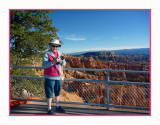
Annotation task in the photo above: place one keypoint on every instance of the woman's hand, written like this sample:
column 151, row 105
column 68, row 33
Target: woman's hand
column 56, row 60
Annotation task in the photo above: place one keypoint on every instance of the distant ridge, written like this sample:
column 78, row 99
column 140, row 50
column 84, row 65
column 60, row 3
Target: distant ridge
column 139, row 51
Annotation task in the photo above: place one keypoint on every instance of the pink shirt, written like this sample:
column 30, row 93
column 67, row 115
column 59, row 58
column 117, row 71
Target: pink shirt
column 52, row 71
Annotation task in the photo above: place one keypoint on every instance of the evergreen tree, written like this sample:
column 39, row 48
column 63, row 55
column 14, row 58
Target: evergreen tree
column 30, row 32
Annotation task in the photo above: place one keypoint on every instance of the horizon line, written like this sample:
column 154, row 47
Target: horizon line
column 106, row 49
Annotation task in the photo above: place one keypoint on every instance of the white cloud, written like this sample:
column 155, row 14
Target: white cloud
column 74, row 38
column 116, row 37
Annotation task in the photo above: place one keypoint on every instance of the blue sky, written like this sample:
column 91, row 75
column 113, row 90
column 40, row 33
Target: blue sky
column 86, row 30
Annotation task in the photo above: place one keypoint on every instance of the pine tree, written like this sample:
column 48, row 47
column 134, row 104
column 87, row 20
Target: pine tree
column 30, row 32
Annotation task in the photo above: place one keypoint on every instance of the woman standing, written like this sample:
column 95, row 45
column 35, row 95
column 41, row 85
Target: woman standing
column 53, row 63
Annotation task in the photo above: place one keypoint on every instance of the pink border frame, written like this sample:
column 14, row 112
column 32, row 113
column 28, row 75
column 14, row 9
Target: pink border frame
column 80, row 115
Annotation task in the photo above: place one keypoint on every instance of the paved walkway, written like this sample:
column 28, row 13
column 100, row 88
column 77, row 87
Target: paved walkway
column 39, row 108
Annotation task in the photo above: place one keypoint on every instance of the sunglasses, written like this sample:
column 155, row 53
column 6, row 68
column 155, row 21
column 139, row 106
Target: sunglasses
column 54, row 46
